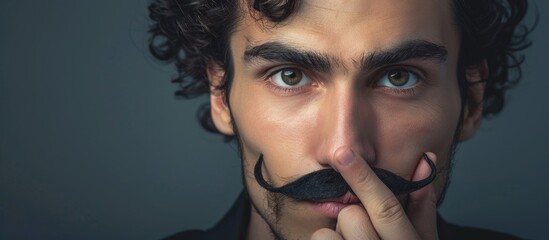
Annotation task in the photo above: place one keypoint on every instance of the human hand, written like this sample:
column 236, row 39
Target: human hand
column 381, row 215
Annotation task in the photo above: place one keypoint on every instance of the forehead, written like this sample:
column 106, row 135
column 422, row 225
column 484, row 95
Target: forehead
column 349, row 28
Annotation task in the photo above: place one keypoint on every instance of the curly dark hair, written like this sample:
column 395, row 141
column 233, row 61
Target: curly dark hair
column 192, row 33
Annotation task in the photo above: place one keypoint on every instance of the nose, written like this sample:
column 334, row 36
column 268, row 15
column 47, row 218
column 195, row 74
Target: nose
column 345, row 118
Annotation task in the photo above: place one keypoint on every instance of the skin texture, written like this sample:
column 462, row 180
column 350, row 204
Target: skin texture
column 346, row 117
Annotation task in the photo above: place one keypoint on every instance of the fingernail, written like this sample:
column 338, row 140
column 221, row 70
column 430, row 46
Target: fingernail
column 346, row 158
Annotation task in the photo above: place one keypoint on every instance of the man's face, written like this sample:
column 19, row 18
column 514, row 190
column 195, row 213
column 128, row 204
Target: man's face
column 369, row 75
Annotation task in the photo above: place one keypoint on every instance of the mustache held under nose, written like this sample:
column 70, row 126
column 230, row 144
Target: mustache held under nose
column 328, row 183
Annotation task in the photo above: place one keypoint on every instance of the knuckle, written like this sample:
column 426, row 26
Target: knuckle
column 364, row 178
column 389, row 211
column 355, row 221
column 318, row 235
column 351, row 212
column 323, row 233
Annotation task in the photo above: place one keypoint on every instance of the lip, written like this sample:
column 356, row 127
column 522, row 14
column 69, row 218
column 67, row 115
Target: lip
column 331, row 207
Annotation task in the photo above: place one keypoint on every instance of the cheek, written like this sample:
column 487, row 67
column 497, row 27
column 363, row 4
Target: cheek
column 271, row 125
column 425, row 126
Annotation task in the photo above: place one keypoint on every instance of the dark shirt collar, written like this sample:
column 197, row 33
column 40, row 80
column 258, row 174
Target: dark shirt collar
column 234, row 224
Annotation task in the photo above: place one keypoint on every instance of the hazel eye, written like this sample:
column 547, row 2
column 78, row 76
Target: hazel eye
column 290, row 78
column 398, row 79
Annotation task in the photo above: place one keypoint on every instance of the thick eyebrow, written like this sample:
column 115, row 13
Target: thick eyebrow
column 279, row 52
column 413, row 49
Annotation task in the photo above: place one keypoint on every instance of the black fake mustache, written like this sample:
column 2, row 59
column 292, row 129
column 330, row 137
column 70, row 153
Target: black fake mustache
column 328, row 183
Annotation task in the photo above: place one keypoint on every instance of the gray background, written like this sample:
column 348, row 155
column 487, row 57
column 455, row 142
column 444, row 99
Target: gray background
column 93, row 144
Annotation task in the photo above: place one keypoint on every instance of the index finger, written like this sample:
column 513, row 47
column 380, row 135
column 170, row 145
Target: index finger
column 385, row 211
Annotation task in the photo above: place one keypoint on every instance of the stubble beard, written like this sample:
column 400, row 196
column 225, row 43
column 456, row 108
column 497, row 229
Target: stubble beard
column 275, row 201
